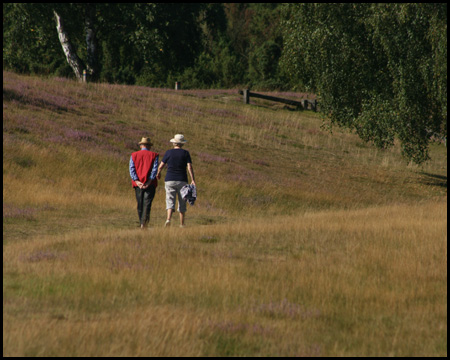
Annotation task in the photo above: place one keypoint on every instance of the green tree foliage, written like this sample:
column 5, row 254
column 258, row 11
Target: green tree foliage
column 30, row 42
column 380, row 69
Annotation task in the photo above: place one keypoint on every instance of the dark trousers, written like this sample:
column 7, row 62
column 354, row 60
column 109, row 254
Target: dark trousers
column 144, row 198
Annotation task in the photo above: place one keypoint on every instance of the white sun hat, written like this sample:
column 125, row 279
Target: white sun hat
column 178, row 139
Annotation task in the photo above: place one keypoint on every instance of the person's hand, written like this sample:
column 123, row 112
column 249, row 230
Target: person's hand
column 139, row 184
column 147, row 184
column 158, row 176
column 193, row 183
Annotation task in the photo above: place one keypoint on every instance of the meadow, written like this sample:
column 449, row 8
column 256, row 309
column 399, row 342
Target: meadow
column 302, row 242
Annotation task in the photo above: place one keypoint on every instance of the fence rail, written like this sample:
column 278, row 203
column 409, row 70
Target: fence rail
column 302, row 105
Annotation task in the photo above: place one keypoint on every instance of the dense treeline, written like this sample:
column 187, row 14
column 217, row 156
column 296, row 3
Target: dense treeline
column 202, row 45
column 379, row 69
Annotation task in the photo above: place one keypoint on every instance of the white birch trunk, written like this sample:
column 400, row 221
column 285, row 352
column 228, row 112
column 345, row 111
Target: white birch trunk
column 72, row 58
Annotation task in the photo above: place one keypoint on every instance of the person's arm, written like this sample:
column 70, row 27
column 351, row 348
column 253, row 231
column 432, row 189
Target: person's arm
column 154, row 169
column 153, row 172
column 133, row 174
column 161, row 166
column 191, row 173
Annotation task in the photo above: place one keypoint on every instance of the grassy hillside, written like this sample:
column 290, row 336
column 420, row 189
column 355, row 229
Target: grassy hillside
column 301, row 243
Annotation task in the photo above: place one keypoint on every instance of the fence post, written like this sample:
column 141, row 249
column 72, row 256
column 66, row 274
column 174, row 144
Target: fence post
column 246, row 96
column 305, row 104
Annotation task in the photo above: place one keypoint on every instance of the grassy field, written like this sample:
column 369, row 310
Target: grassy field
column 301, row 243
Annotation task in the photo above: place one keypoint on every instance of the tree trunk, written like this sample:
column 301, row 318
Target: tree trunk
column 91, row 41
column 72, row 58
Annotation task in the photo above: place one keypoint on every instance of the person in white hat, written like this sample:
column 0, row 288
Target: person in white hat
column 143, row 169
column 177, row 160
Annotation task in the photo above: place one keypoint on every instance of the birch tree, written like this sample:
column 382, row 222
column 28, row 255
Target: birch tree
column 380, row 69
column 72, row 58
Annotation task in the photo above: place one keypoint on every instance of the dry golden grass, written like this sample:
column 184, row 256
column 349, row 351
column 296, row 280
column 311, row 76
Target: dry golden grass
column 346, row 283
column 301, row 243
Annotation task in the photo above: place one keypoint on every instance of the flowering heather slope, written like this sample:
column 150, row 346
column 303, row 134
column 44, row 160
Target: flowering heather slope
column 253, row 160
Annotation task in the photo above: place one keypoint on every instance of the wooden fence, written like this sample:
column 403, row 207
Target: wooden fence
column 302, row 105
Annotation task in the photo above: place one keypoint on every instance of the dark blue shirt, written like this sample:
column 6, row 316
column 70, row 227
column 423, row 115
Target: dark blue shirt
column 176, row 160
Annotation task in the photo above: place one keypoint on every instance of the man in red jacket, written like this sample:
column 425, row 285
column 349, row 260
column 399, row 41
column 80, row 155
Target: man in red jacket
column 143, row 169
